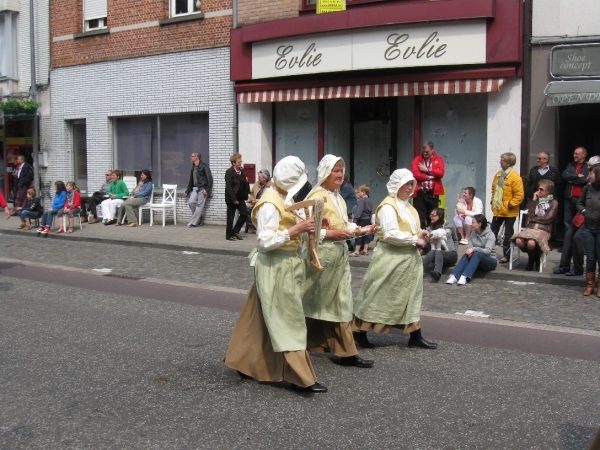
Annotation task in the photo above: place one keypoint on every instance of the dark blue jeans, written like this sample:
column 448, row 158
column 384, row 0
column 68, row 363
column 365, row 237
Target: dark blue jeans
column 26, row 214
column 591, row 244
column 467, row 267
column 48, row 216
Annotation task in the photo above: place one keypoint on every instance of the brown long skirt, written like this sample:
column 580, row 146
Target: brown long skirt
column 251, row 352
column 333, row 337
column 361, row 325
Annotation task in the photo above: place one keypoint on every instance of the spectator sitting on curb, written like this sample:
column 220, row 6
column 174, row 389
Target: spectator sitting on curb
column 72, row 206
column 117, row 191
column 468, row 205
column 32, row 210
column 139, row 197
column 60, row 195
column 97, row 197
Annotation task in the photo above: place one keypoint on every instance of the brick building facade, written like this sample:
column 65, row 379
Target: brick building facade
column 141, row 87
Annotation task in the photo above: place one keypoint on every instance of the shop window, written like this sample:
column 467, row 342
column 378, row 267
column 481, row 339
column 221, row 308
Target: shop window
column 161, row 144
column 457, row 125
column 94, row 13
column 296, row 125
column 183, row 7
column 8, row 45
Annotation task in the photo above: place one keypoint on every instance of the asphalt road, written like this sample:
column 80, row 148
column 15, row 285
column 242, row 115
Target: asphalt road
column 92, row 361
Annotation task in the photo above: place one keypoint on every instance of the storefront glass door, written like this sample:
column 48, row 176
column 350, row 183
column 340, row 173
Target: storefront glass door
column 374, row 130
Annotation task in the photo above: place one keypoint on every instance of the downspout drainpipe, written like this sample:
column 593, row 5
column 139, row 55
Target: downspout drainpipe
column 33, row 90
column 235, row 133
column 526, row 93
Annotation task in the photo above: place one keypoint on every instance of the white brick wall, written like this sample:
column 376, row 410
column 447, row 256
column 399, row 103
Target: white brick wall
column 195, row 81
column 42, row 44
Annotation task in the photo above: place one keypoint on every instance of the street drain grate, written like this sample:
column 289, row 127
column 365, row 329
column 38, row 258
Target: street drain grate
column 120, row 275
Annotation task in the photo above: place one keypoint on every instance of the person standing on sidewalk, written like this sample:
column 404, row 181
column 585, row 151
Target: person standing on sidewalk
column 575, row 178
column 198, row 188
column 428, row 169
column 24, row 180
column 236, row 194
column 589, row 205
column 507, row 195
column 263, row 182
column 573, row 243
column 543, row 171
column 392, row 290
column 328, row 296
column 269, row 339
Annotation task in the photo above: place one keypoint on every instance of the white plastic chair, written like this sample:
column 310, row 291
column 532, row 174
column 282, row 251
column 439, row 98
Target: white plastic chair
column 169, row 201
column 515, row 249
column 130, row 182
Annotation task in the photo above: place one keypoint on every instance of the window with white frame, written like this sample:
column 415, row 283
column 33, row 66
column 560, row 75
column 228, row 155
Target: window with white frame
column 8, row 45
column 183, row 7
column 162, row 144
column 94, row 14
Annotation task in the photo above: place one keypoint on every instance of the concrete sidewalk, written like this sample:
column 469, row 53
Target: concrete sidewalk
column 211, row 239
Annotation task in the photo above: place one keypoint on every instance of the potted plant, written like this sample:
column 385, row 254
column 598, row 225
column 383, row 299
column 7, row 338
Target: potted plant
column 13, row 107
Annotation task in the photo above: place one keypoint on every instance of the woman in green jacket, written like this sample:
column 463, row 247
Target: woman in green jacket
column 117, row 192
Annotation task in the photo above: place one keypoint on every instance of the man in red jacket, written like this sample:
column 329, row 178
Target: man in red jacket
column 428, row 169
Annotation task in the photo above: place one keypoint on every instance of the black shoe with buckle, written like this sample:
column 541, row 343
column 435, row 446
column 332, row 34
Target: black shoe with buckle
column 315, row 388
column 356, row 361
column 238, row 237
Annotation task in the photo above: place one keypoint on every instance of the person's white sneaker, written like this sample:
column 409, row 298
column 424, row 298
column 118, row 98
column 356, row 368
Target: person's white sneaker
column 464, row 242
column 463, row 280
column 451, row 279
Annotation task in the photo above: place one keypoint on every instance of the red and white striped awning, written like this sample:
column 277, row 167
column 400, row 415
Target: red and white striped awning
column 475, row 86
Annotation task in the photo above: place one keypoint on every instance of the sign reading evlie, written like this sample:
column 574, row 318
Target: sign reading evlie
column 374, row 48
column 575, row 61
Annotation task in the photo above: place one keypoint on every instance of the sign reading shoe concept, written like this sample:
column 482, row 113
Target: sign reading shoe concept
column 373, row 48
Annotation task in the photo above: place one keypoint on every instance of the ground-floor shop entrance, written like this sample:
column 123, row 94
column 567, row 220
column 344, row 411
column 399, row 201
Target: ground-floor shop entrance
column 375, row 136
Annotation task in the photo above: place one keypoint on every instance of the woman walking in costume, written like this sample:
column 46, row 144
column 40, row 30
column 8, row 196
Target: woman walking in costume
column 392, row 290
column 328, row 297
column 269, row 339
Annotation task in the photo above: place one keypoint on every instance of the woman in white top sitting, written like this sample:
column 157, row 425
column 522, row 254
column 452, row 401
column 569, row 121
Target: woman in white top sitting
column 468, row 205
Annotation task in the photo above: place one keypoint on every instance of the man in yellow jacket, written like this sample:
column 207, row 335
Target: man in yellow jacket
column 507, row 195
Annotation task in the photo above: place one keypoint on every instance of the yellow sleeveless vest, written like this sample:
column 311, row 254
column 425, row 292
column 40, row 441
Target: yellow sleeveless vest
column 330, row 211
column 286, row 219
column 390, row 200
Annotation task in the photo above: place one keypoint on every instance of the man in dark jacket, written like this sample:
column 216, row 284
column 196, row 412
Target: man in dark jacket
column 575, row 178
column 236, row 194
column 24, row 180
column 198, row 189
column 543, row 171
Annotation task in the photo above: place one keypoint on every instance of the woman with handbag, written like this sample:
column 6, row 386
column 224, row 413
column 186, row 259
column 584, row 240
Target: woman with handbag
column 589, row 205
column 540, row 215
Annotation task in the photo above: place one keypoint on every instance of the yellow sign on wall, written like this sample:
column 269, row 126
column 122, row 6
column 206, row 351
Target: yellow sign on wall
column 328, row 6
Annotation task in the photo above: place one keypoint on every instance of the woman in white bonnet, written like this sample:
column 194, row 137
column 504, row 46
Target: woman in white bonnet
column 328, row 297
column 269, row 339
column 392, row 289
